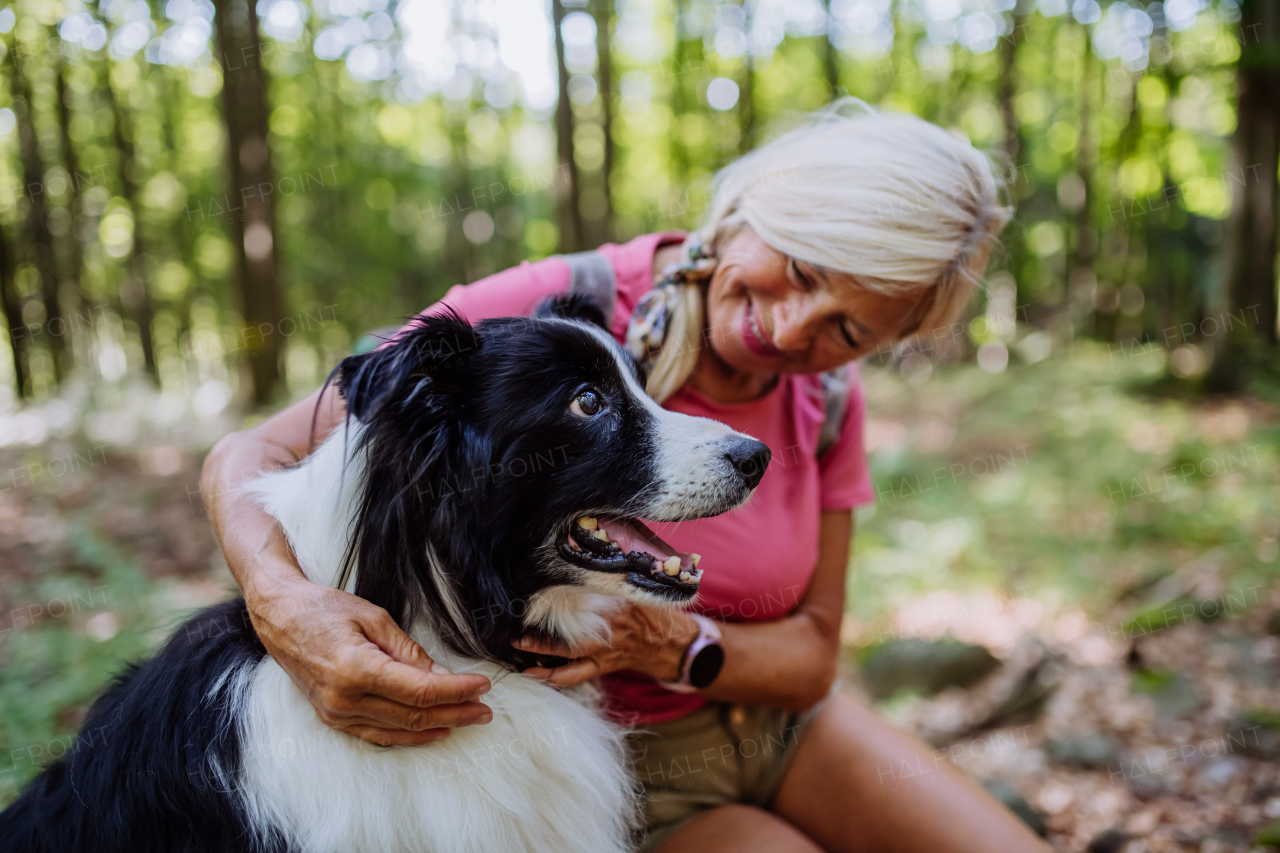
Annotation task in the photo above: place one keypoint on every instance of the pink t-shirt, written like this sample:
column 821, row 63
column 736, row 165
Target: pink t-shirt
column 758, row 559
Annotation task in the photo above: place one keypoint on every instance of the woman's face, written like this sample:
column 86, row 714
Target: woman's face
column 769, row 314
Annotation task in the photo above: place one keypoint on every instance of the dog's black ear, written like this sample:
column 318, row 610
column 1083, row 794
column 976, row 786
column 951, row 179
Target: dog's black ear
column 428, row 348
column 572, row 307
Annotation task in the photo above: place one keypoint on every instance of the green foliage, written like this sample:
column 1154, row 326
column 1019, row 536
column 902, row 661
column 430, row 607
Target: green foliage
column 1055, row 482
column 1120, row 171
column 1151, row 681
column 54, row 666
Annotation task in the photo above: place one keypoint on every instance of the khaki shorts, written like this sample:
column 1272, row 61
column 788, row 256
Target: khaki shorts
column 719, row 755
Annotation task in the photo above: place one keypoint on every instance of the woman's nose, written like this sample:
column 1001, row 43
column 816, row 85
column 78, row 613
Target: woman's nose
column 794, row 322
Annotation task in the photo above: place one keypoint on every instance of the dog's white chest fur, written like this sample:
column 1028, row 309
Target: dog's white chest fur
column 547, row 774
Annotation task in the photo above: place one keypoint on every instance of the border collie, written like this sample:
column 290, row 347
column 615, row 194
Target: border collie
column 487, row 488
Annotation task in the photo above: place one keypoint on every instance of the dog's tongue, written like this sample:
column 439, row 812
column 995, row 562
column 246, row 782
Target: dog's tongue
column 630, row 535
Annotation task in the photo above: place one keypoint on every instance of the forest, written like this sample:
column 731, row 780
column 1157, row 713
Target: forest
column 205, row 205
column 223, row 193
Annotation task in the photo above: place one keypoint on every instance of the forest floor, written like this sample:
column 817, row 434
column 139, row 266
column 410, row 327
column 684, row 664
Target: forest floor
column 1113, row 550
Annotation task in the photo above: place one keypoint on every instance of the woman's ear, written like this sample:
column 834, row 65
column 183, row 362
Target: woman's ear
column 430, row 348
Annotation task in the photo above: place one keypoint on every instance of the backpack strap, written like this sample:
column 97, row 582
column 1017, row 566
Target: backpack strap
column 835, row 398
column 591, row 274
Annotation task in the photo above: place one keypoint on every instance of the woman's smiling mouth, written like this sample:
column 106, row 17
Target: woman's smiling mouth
column 754, row 334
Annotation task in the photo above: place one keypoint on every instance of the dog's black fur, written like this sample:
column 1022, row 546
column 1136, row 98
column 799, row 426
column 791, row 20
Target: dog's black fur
column 468, row 446
column 150, row 770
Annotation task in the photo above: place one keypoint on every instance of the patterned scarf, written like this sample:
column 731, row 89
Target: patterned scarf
column 648, row 324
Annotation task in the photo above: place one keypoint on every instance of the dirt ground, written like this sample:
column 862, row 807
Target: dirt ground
column 1114, row 737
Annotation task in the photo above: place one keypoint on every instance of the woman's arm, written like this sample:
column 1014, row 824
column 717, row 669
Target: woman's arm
column 784, row 663
column 361, row 672
column 791, row 663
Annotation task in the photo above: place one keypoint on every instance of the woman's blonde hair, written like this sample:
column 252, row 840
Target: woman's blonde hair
column 900, row 203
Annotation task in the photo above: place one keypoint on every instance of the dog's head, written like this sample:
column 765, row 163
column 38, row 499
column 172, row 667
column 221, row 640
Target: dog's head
column 508, row 461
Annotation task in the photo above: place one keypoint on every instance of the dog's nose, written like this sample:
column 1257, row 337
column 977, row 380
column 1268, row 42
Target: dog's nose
column 749, row 457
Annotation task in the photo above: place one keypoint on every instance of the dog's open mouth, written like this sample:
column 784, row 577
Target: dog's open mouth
column 625, row 545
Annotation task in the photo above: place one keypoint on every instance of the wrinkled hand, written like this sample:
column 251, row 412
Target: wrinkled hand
column 362, row 673
column 648, row 639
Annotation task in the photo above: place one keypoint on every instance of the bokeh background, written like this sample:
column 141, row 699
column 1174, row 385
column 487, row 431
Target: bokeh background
column 1068, row 583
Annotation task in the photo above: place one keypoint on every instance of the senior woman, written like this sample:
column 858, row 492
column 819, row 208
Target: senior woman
column 848, row 234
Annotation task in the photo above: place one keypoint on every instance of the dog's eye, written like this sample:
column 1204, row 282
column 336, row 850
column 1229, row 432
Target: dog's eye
column 587, row 404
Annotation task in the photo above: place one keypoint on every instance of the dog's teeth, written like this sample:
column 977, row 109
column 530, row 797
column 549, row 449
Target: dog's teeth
column 588, row 523
column 696, row 558
column 601, row 535
column 672, row 566
column 684, row 577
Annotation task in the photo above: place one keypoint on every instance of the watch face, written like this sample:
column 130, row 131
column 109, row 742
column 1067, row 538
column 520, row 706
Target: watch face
column 706, row 665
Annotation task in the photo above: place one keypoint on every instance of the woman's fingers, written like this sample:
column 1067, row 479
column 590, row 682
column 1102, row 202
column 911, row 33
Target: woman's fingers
column 573, row 673
column 423, row 688
column 363, row 674
column 394, row 737
column 541, row 647
column 383, row 632
column 385, row 714
column 410, row 676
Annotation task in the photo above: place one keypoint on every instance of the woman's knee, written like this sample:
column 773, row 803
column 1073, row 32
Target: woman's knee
column 738, row 829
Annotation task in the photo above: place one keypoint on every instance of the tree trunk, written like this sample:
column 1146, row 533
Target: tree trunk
column 1012, row 144
column 746, row 93
column 180, row 232
column 10, row 299
column 39, row 239
column 73, row 264
column 1252, row 277
column 571, row 224
column 1251, row 231
column 245, row 112
column 681, row 59
column 747, row 106
column 1131, row 263
column 604, row 66
column 831, row 58
column 135, row 296
column 570, row 216
column 331, row 207
column 1008, row 91
column 13, row 315
column 458, row 251
column 1085, row 240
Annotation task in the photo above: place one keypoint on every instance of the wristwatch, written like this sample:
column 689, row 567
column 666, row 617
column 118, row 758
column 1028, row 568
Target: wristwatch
column 702, row 660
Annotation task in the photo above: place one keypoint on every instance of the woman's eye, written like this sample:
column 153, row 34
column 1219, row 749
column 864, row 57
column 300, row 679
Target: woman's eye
column 849, row 339
column 800, row 276
column 587, row 404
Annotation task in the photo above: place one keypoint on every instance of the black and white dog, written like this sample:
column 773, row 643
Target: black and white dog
column 488, row 488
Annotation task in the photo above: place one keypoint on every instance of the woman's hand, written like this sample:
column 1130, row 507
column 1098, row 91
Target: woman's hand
column 788, row 662
column 642, row 638
column 362, row 673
